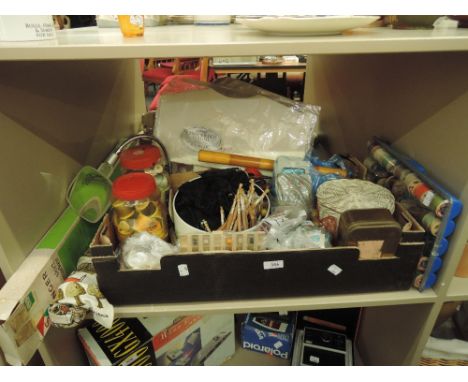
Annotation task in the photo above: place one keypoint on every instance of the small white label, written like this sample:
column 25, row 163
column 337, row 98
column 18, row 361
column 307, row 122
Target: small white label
column 314, row 359
column 427, row 198
column 276, row 264
column 136, row 20
column 335, row 269
column 278, row 344
column 183, row 270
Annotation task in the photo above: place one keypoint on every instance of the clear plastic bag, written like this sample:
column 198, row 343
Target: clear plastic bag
column 288, row 228
column 294, row 189
column 232, row 116
column 144, row 251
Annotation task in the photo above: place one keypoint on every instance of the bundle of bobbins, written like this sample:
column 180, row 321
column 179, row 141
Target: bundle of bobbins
column 246, row 211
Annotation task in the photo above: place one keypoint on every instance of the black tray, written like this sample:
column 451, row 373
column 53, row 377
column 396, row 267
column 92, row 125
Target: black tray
column 241, row 275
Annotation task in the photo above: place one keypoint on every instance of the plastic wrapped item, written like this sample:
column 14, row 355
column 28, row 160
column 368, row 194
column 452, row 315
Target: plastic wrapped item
column 232, row 116
column 307, row 235
column 287, row 228
column 77, row 296
column 292, row 182
column 294, row 189
column 144, row 251
column 320, row 177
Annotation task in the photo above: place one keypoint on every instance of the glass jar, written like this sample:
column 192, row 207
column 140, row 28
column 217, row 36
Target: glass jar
column 137, row 207
column 132, row 25
column 146, row 158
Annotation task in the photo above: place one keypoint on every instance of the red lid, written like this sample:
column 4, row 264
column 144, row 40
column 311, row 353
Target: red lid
column 133, row 186
column 140, row 157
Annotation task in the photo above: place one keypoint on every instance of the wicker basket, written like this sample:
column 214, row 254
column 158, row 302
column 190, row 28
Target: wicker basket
column 442, row 362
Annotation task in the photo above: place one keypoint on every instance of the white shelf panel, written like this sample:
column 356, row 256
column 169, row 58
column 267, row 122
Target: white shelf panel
column 411, row 296
column 458, row 289
column 226, row 40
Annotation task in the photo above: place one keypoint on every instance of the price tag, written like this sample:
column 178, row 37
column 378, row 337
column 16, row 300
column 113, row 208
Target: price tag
column 183, row 270
column 334, row 269
column 314, row 359
column 275, row 264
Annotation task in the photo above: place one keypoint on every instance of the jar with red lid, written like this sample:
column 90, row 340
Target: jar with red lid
column 146, row 158
column 137, row 206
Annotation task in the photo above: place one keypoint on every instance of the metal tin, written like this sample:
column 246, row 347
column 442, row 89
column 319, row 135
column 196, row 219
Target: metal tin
column 374, row 231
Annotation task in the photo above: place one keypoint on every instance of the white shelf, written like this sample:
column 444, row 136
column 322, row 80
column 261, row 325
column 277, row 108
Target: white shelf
column 411, row 296
column 226, row 40
column 458, row 289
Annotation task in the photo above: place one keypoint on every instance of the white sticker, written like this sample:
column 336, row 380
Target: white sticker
column 183, row 270
column 427, row 198
column 278, row 344
column 276, row 264
column 335, row 269
column 314, row 359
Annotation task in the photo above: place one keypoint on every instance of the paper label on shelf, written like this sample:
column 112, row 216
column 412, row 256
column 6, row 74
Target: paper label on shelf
column 183, row 270
column 314, row 359
column 275, row 264
column 334, row 269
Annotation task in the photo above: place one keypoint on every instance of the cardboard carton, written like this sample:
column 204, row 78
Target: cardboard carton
column 164, row 341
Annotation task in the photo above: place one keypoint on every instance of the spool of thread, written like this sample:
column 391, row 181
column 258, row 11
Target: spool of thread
column 411, row 181
column 425, row 217
column 400, row 171
column 420, row 191
column 431, row 223
column 439, row 205
column 384, row 159
column 399, row 189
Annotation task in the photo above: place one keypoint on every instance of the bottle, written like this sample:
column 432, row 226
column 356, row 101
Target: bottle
column 131, row 25
column 137, row 206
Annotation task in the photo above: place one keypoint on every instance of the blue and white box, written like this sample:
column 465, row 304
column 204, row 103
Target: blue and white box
column 269, row 333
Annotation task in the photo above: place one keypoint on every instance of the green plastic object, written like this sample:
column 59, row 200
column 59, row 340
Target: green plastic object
column 89, row 194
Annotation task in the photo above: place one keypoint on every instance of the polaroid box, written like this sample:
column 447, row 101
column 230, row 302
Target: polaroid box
column 163, row 341
column 269, row 333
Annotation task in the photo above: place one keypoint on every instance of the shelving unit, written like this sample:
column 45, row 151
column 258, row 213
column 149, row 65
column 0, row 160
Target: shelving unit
column 65, row 103
column 458, row 289
column 284, row 304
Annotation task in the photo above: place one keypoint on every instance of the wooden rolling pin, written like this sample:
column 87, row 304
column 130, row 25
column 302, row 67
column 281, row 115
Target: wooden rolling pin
column 260, row 163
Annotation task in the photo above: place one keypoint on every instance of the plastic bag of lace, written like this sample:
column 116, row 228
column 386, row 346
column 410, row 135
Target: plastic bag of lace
column 294, row 189
column 280, row 223
column 144, row 251
column 307, row 235
column 232, row 116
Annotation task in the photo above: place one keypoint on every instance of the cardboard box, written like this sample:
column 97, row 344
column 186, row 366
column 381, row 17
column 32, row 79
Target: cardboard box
column 269, row 333
column 163, row 341
column 25, row 297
